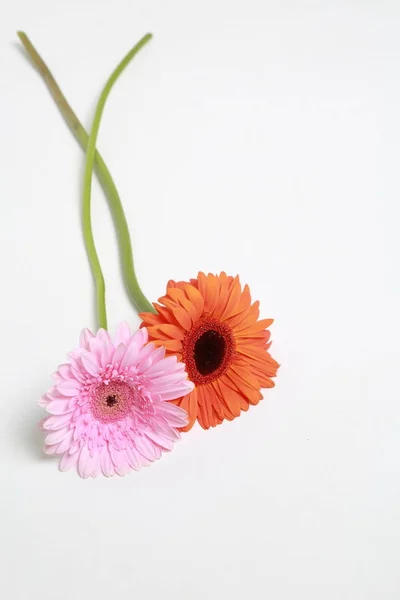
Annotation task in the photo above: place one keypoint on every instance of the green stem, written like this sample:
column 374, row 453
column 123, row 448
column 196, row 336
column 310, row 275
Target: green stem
column 106, row 181
column 87, row 181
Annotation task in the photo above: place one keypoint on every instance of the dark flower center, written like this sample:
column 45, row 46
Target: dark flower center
column 209, row 351
column 111, row 400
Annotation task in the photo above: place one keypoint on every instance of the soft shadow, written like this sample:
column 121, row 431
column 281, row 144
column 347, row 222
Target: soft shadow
column 28, row 433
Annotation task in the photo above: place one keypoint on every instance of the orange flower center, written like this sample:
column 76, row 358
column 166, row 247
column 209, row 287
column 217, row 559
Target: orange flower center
column 207, row 350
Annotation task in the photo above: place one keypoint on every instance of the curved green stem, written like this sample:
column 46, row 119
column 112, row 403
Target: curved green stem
column 87, row 181
column 104, row 176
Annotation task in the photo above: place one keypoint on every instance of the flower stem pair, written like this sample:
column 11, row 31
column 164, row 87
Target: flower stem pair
column 95, row 161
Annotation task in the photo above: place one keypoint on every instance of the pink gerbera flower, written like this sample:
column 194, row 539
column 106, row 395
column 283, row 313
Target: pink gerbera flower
column 109, row 409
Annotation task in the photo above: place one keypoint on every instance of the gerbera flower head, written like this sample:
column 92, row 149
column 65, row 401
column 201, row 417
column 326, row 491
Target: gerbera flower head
column 211, row 325
column 108, row 407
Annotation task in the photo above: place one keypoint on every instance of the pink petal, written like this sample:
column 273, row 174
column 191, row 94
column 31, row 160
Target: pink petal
column 160, row 440
column 59, row 407
column 138, row 340
column 119, row 353
column 44, row 400
column 96, row 346
column 91, row 465
column 76, row 353
column 124, row 467
column 68, row 460
column 69, row 388
column 83, row 462
column 104, row 336
column 50, row 449
column 147, row 448
column 167, row 380
column 84, row 338
column 90, row 364
column 54, row 394
column 123, row 334
column 174, row 393
column 163, row 428
column 130, row 354
column 55, row 437
column 144, row 354
column 120, row 461
column 145, row 462
column 96, row 465
column 106, row 463
column 56, row 377
column 165, row 365
column 155, row 357
column 141, row 336
column 78, row 374
column 66, row 444
column 176, row 416
column 106, row 354
column 77, row 365
column 133, row 458
column 75, row 447
column 65, row 371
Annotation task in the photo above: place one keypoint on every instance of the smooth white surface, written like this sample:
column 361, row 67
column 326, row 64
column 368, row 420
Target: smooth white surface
column 258, row 137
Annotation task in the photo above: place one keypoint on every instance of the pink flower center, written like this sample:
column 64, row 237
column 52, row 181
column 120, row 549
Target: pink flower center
column 115, row 401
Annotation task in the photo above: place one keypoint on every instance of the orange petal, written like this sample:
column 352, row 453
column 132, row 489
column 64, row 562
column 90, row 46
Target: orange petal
column 260, row 359
column 234, row 295
column 149, row 318
column 201, row 284
column 211, row 297
column 221, row 407
column 223, row 295
column 165, row 313
column 215, row 418
column 172, row 345
column 252, row 396
column 247, row 318
column 231, row 398
column 183, row 317
column 180, row 284
column 209, row 400
column 240, row 390
column 244, row 302
column 256, row 327
column 169, row 331
column 265, row 381
column 256, row 353
column 211, row 411
column 195, row 298
column 176, row 294
column 190, row 309
column 157, row 343
column 258, row 339
column 245, row 375
column 204, row 408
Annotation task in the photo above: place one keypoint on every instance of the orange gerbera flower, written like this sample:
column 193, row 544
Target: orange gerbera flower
column 210, row 324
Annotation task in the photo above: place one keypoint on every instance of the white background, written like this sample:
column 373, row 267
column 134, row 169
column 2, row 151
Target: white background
column 260, row 138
